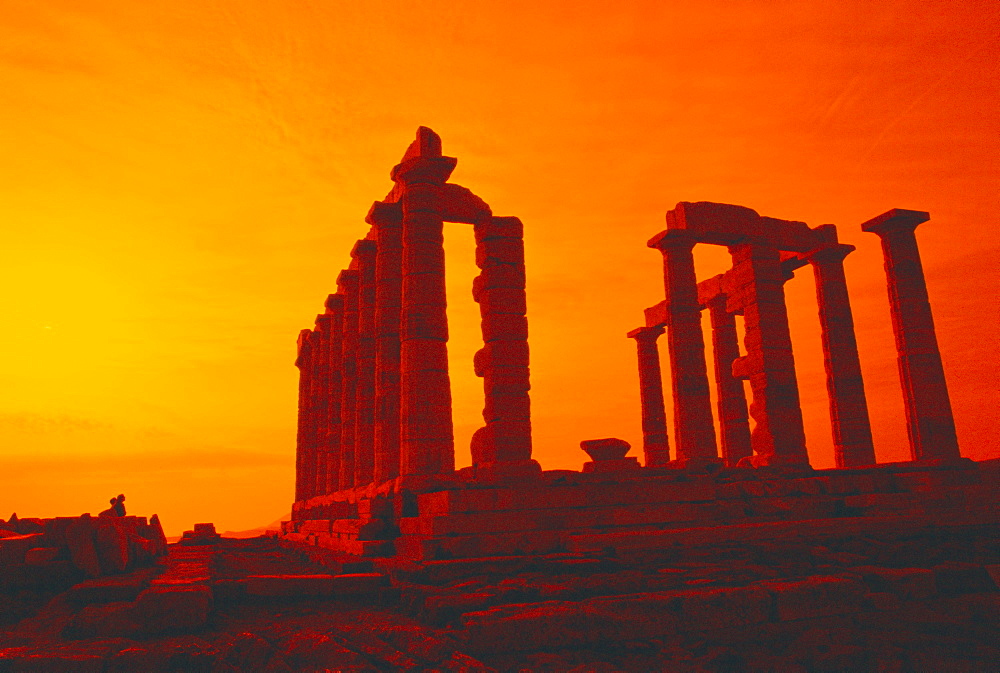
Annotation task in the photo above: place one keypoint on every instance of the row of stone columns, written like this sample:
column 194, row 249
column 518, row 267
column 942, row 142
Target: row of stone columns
column 375, row 394
column 754, row 289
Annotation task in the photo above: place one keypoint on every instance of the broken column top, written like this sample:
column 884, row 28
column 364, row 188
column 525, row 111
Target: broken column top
column 726, row 224
column 427, row 144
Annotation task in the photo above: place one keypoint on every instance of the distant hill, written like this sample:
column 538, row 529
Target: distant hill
column 255, row 532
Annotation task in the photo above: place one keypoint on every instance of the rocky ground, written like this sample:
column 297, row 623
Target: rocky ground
column 925, row 600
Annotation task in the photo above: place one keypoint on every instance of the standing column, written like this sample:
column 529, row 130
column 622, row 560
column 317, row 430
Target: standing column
column 779, row 437
column 387, row 219
column 303, row 441
column 427, row 435
column 852, row 431
column 734, row 423
column 321, row 400
column 364, row 445
column 503, row 446
column 694, row 429
column 655, row 446
column 347, row 286
column 929, row 421
column 335, row 311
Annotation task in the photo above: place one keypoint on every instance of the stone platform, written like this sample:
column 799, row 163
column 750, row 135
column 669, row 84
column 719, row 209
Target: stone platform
column 643, row 509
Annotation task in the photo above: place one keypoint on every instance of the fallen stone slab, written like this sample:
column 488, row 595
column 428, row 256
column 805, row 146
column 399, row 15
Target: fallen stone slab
column 109, row 589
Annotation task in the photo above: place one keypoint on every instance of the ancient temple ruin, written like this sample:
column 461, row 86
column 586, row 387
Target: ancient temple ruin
column 375, row 396
column 766, row 251
column 375, row 467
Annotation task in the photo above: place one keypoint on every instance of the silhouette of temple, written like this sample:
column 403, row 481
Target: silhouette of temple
column 375, row 467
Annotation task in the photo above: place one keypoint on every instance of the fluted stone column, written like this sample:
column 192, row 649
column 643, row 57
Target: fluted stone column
column 320, row 340
column 734, row 423
column 929, row 421
column 694, row 428
column 331, row 463
column 347, row 286
column 852, row 432
column 503, row 446
column 655, row 446
column 778, row 439
column 387, row 219
column 304, row 433
column 427, row 435
column 364, row 445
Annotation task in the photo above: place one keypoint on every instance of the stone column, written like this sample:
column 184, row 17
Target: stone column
column 734, row 423
column 347, row 287
column 335, row 311
column 320, row 341
column 694, row 428
column 655, row 446
column 303, row 441
column 503, row 447
column 852, row 432
column 364, row 444
column 387, row 220
column 929, row 421
column 778, row 438
column 426, row 433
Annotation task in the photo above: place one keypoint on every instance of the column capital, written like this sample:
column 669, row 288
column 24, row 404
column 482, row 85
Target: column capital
column 646, row 334
column 895, row 220
column 323, row 321
column 385, row 214
column 829, row 254
column 334, row 303
column 364, row 250
column 428, row 170
column 347, row 281
column 672, row 239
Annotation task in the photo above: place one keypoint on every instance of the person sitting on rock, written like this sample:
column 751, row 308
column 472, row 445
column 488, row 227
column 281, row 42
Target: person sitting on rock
column 117, row 507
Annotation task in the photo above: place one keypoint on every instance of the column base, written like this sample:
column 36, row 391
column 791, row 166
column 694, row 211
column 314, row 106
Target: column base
column 503, row 471
column 628, row 464
column 701, row 465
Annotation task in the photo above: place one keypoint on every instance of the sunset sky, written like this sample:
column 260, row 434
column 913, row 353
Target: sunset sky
column 182, row 181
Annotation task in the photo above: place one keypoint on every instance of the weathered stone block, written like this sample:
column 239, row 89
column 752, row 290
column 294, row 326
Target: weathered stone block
column 500, row 251
column 502, row 300
column 504, row 327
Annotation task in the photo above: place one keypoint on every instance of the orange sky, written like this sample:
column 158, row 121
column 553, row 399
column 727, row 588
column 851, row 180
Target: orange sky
column 183, row 180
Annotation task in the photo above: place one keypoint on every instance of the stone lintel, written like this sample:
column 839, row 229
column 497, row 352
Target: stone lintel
column 656, row 316
column 710, row 289
column 834, row 252
column 459, row 204
column 894, row 220
column 725, row 224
